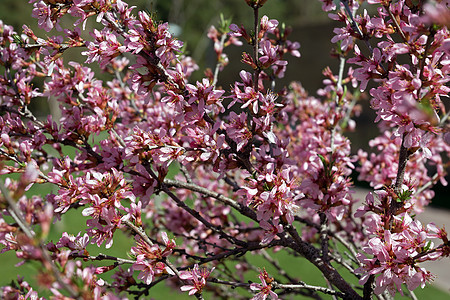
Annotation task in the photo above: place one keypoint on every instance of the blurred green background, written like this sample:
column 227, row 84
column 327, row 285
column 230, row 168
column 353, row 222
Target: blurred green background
column 312, row 29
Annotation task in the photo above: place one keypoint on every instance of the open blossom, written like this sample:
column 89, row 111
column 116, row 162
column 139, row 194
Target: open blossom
column 268, row 25
column 149, row 258
column 238, row 131
column 344, row 36
column 43, row 13
column 77, row 244
column 390, row 262
column 265, row 289
column 271, row 230
column 104, row 48
column 270, row 55
column 370, row 68
column 197, row 278
column 328, row 5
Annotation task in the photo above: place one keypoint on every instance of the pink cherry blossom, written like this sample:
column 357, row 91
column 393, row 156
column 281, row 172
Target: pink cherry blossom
column 264, row 288
column 197, row 277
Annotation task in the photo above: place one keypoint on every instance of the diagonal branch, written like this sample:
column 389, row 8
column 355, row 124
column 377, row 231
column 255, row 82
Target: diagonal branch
column 245, row 210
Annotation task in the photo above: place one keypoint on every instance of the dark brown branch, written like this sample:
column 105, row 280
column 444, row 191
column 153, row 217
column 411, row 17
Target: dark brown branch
column 424, row 57
column 402, row 161
column 101, row 256
column 312, row 254
column 368, row 288
column 324, row 237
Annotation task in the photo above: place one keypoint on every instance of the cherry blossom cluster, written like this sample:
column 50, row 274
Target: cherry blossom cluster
column 201, row 177
column 406, row 66
column 398, row 244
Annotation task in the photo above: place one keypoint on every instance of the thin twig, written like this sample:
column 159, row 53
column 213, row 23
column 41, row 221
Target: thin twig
column 246, row 211
column 331, row 234
column 101, row 256
column 277, row 266
column 217, row 69
column 256, row 47
column 338, row 87
column 185, row 173
column 139, row 231
column 193, row 212
column 428, row 184
column 340, row 260
column 396, row 24
column 302, row 285
column 330, row 287
column 412, row 295
column 356, row 26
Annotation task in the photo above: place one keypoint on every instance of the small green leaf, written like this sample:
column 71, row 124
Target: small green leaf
column 404, row 196
column 18, row 40
column 324, row 162
column 427, row 246
column 224, row 24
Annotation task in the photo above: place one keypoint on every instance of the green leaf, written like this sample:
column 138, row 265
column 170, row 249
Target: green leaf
column 324, row 162
column 224, row 24
column 17, row 39
column 427, row 246
column 404, row 196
